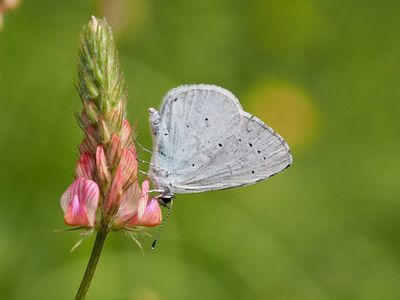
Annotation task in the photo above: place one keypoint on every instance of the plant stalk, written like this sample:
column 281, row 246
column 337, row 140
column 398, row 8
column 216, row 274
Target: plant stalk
column 91, row 266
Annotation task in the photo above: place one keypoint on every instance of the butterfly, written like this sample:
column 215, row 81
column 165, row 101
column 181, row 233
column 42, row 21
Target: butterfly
column 203, row 140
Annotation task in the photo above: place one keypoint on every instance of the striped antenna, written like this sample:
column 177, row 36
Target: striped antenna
column 153, row 245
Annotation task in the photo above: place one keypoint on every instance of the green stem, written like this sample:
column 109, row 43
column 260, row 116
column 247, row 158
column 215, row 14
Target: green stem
column 91, row 267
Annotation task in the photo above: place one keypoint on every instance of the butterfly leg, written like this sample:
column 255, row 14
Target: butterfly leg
column 156, row 191
column 150, row 164
column 143, row 172
column 146, row 162
column 142, row 147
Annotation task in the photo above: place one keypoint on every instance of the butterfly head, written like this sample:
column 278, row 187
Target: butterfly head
column 154, row 116
column 155, row 120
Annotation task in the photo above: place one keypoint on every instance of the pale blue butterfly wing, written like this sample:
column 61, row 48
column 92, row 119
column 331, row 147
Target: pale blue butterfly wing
column 207, row 142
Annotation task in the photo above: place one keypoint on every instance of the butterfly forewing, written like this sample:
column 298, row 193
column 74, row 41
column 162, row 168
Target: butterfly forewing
column 190, row 121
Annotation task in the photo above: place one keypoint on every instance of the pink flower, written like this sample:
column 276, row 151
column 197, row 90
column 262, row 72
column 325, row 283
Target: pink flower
column 115, row 149
column 115, row 194
column 143, row 199
column 126, row 133
column 79, row 203
column 128, row 166
column 86, row 166
column 89, row 143
column 148, row 212
column 137, row 210
column 125, row 176
column 85, row 146
column 128, row 206
column 103, row 172
column 152, row 215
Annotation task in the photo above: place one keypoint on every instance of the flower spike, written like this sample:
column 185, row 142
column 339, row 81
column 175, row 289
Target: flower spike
column 106, row 195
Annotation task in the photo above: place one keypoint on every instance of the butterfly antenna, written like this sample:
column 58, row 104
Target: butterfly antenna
column 153, row 245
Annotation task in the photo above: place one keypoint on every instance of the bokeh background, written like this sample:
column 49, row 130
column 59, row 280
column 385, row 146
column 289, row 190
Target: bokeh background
column 324, row 74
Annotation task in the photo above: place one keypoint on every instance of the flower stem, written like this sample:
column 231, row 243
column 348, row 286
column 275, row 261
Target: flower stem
column 91, row 266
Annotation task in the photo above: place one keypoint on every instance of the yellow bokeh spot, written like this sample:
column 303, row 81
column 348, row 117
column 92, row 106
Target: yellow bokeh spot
column 287, row 108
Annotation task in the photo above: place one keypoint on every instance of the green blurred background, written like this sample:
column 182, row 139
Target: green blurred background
column 324, row 74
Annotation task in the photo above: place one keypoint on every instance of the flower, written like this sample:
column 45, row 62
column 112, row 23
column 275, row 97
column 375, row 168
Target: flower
column 86, row 166
column 151, row 217
column 102, row 167
column 128, row 207
column 137, row 210
column 79, row 203
column 106, row 191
